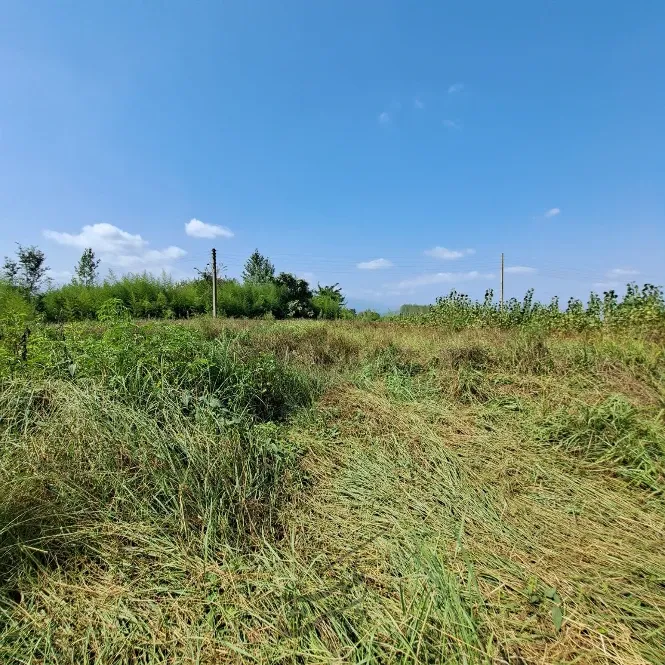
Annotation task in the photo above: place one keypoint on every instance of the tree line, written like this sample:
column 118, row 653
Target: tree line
column 260, row 292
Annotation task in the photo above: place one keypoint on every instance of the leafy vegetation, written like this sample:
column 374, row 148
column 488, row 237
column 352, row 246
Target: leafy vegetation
column 145, row 296
column 27, row 271
column 86, row 271
column 413, row 310
column 460, row 483
column 642, row 308
column 258, row 269
column 261, row 294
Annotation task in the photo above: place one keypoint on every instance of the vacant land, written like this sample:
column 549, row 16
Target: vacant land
column 335, row 492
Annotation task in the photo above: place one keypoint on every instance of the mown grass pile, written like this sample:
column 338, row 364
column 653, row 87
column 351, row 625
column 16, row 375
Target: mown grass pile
column 329, row 492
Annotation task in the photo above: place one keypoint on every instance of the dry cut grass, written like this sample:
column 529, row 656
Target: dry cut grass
column 475, row 497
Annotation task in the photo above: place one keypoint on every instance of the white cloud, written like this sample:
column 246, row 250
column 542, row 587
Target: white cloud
column 443, row 278
column 375, row 264
column 149, row 258
column 417, row 103
column 60, row 276
column 605, row 285
column 455, row 87
column 552, row 212
column 307, row 276
column 622, row 272
column 118, row 247
column 448, row 254
column 519, row 270
column 369, row 294
column 101, row 237
column 384, row 118
column 451, row 124
column 198, row 229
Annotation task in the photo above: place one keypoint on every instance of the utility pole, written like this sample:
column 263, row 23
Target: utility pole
column 214, row 283
column 502, row 281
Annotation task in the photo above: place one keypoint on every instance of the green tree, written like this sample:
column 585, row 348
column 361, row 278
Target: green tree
column 369, row 315
column 205, row 274
column 28, row 270
column 334, row 292
column 295, row 297
column 413, row 310
column 86, row 269
column 328, row 301
column 258, row 269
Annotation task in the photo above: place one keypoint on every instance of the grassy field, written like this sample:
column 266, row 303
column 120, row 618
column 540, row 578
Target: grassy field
column 331, row 492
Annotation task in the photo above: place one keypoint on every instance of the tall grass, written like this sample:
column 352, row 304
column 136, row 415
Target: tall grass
column 311, row 492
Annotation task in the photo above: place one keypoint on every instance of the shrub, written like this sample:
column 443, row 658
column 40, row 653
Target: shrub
column 251, row 299
column 144, row 296
column 16, row 315
column 642, row 308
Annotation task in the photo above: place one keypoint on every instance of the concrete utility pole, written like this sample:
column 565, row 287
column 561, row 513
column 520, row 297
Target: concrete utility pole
column 501, row 281
column 214, row 283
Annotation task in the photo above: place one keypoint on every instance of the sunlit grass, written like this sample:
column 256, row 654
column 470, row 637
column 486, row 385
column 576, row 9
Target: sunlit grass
column 273, row 492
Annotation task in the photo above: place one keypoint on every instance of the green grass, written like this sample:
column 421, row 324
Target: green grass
column 310, row 492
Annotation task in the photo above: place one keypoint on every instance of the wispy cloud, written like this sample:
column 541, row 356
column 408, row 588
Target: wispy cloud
column 448, row 254
column 519, row 270
column 367, row 294
column 60, row 276
column 552, row 212
column 384, row 118
column 307, row 276
column 622, row 272
column 152, row 257
column 195, row 228
column 118, row 247
column 101, row 237
column 417, row 103
column 443, row 278
column 455, row 88
column 375, row 264
column 451, row 124
column 606, row 286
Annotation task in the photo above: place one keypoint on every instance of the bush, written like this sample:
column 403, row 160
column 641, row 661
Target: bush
column 144, row 296
column 326, row 307
column 16, row 313
column 643, row 308
column 369, row 315
column 251, row 299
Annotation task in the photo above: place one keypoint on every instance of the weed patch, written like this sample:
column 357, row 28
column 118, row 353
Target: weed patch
column 613, row 431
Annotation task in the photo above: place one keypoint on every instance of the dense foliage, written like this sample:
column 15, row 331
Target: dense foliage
column 262, row 294
column 643, row 307
column 145, row 296
column 27, row 271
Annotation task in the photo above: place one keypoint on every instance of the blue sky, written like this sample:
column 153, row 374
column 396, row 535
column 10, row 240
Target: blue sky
column 397, row 148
